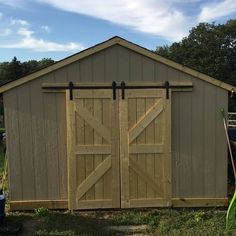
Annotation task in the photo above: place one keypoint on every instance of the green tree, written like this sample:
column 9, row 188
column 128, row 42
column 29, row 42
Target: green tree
column 209, row 48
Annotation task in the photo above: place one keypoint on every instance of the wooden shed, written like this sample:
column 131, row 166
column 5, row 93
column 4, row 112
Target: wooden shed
column 116, row 126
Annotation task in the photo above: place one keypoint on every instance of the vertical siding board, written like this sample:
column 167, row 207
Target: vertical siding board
column 61, row 75
column 38, row 139
column 135, row 67
column 164, row 73
column 86, row 73
column 175, row 140
column 123, row 64
column 13, row 144
column 148, row 74
column 198, row 139
column 209, row 138
column 221, row 145
column 51, row 134
column 111, row 64
column 26, row 144
column 62, row 144
column 185, row 144
column 99, row 67
column 161, row 72
column 73, row 72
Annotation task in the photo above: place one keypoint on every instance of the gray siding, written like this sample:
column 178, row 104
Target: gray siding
column 36, row 127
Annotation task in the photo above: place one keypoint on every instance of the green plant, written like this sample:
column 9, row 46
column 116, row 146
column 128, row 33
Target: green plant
column 42, row 212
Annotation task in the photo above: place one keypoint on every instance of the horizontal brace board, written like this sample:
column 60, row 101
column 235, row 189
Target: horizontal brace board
column 149, row 202
column 146, row 148
column 93, row 149
column 95, row 204
column 63, row 204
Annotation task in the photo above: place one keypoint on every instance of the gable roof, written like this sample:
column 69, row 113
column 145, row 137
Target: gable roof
column 110, row 42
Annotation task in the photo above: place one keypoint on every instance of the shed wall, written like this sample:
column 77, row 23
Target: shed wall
column 36, row 127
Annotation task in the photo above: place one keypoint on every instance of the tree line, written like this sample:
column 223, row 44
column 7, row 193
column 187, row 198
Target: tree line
column 15, row 69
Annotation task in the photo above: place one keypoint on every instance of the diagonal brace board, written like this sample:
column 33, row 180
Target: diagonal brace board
column 95, row 123
column 145, row 176
column 153, row 112
column 99, row 171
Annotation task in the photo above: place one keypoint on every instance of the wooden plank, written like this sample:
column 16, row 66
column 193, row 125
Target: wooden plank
column 111, row 64
column 98, row 61
column 198, row 101
column 141, row 115
column 73, row 72
column 131, row 122
column 107, row 120
column 115, row 153
column 63, row 204
column 93, row 149
column 167, row 153
column 93, row 122
column 92, row 93
column 123, row 64
column 90, row 180
column 95, row 204
column 174, row 82
column 151, row 148
column 80, row 159
column 38, row 140
column 146, row 148
column 88, row 138
column 185, row 171
column 199, row 202
column 61, row 140
column 142, row 173
column 135, row 67
column 35, row 204
column 175, row 140
column 151, row 202
column 86, row 68
column 148, row 66
column 145, row 119
column 71, row 161
column 221, row 154
column 144, row 93
column 10, row 100
column 98, row 188
column 26, row 144
column 124, row 153
column 209, row 139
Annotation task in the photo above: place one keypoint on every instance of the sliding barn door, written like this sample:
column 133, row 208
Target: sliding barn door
column 93, row 150
column 145, row 148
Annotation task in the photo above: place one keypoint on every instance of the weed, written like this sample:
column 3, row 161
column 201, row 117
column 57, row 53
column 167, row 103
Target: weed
column 41, row 212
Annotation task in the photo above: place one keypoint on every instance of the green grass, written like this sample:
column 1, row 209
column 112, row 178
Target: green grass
column 160, row 221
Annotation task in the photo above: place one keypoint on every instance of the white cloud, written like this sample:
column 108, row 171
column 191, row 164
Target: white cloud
column 18, row 34
column 169, row 18
column 216, row 10
column 45, row 28
column 1, row 15
column 28, row 41
column 18, row 22
column 155, row 17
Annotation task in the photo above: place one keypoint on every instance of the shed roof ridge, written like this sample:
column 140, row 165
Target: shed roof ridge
column 116, row 40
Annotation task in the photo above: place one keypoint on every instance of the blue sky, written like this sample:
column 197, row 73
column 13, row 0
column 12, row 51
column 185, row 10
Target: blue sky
column 35, row 29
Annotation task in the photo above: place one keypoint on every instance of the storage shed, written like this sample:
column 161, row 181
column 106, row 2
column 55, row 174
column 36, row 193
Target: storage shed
column 116, row 126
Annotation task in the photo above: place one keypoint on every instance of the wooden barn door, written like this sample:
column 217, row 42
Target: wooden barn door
column 145, row 148
column 119, row 151
column 93, row 148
